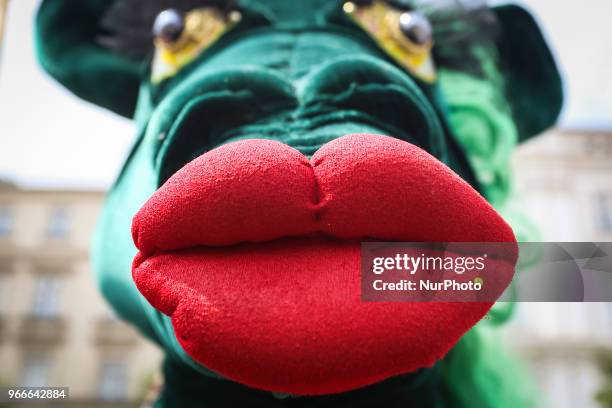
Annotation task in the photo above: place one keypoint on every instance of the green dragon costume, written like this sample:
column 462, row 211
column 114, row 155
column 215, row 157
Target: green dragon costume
column 259, row 166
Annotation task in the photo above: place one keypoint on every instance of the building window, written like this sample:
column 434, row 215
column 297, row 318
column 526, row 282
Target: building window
column 59, row 223
column 113, row 378
column 46, row 298
column 4, row 291
column 36, row 372
column 6, row 220
column 604, row 212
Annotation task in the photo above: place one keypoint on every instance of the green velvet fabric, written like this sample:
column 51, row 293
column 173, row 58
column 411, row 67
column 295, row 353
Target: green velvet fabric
column 66, row 34
column 534, row 87
column 184, row 388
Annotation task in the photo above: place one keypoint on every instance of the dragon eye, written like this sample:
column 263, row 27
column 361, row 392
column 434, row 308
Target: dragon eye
column 406, row 35
column 169, row 26
column 416, row 28
column 181, row 37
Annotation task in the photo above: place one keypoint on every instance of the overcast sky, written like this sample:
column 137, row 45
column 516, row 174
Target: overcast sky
column 48, row 138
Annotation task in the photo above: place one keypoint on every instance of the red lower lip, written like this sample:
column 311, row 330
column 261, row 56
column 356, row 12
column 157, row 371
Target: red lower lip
column 285, row 314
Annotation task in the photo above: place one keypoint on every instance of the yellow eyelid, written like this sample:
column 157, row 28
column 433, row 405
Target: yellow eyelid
column 381, row 21
column 203, row 27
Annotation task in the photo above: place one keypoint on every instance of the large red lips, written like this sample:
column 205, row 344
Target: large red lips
column 284, row 314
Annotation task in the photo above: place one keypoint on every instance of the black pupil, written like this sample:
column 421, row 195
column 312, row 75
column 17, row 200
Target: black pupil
column 172, row 33
column 416, row 29
column 168, row 26
column 416, row 34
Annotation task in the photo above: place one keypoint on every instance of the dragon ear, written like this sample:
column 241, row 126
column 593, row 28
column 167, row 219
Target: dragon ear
column 67, row 33
column 533, row 82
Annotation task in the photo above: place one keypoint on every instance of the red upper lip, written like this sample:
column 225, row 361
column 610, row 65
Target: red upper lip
column 260, row 313
column 354, row 187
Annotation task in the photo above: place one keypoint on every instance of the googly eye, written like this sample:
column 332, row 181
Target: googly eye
column 181, row 37
column 403, row 32
column 416, row 28
column 169, row 26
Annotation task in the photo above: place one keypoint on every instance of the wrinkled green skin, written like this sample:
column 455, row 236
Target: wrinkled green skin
column 304, row 78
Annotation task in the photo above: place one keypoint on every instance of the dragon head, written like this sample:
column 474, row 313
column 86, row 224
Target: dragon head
column 273, row 136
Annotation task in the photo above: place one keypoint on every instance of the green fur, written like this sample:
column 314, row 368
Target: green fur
column 478, row 372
